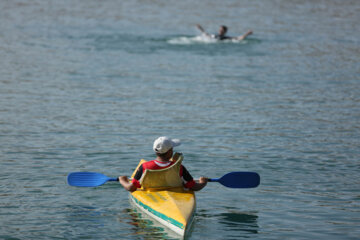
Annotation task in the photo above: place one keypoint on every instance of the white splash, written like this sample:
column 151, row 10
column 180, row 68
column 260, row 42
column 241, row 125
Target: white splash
column 201, row 39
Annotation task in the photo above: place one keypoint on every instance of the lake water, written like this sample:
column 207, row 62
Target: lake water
column 89, row 85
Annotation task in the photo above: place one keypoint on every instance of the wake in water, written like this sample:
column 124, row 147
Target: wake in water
column 201, row 39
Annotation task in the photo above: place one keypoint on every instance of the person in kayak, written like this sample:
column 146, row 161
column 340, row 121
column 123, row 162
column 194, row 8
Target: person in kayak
column 222, row 34
column 163, row 147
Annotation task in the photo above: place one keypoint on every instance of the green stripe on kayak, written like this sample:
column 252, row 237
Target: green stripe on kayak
column 158, row 214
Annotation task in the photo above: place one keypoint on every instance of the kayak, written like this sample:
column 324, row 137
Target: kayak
column 162, row 195
column 164, row 200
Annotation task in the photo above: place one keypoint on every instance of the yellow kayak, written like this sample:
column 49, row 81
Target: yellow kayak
column 171, row 205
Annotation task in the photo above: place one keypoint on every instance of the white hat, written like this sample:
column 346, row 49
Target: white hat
column 164, row 144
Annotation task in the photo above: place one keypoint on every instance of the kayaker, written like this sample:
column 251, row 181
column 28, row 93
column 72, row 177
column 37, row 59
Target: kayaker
column 222, row 34
column 163, row 147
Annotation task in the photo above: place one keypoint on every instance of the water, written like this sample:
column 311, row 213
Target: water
column 88, row 86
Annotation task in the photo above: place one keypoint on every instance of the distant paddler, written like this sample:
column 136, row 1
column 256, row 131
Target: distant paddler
column 163, row 147
column 222, row 34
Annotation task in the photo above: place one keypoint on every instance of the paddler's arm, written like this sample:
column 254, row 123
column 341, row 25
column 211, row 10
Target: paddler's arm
column 200, row 184
column 202, row 30
column 124, row 181
column 243, row 36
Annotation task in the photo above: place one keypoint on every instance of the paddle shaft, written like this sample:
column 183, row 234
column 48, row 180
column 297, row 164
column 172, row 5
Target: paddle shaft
column 214, row 179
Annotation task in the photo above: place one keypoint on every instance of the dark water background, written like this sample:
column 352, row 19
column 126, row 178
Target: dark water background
column 88, row 86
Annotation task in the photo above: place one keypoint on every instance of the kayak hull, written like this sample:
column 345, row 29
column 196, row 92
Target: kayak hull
column 173, row 208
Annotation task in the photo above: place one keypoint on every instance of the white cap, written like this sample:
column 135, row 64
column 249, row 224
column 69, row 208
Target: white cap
column 164, row 144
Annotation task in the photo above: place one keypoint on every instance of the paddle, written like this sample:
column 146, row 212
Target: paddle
column 88, row 179
column 238, row 180
column 230, row 180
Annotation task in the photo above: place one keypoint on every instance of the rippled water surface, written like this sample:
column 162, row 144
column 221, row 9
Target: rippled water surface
column 88, row 86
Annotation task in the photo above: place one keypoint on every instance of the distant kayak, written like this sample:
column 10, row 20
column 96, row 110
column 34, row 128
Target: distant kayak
column 201, row 39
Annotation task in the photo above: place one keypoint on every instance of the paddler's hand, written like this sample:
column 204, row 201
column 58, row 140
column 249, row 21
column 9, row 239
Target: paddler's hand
column 200, row 184
column 200, row 27
column 123, row 179
column 203, row 180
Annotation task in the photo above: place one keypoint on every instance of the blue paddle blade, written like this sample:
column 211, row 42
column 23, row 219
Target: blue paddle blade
column 239, row 180
column 87, row 179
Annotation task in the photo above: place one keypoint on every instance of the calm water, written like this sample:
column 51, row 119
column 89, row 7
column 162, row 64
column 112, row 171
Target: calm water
column 88, row 86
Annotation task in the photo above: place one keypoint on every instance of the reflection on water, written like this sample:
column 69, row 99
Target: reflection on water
column 239, row 221
column 235, row 224
column 93, row 221
column 144, row 226
column 88, row 215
